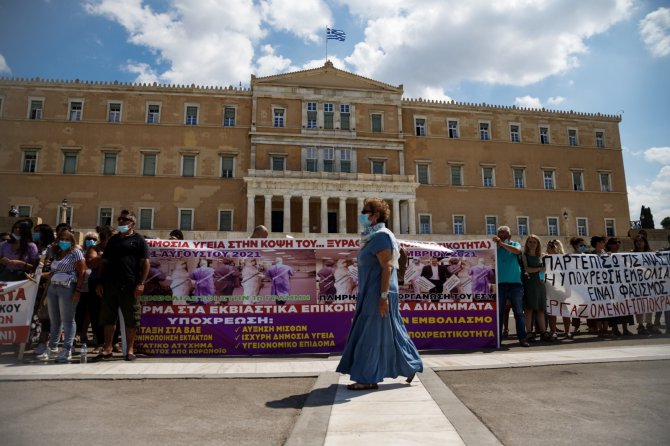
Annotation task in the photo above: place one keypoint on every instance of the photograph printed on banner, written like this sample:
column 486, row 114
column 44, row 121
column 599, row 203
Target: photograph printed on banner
column 438, row 276
column 337, row 275
column 246, row 277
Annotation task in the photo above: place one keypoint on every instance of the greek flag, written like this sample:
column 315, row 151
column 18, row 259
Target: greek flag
column 335, row 34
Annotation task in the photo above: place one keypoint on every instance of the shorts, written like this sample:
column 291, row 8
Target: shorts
column 117, row 297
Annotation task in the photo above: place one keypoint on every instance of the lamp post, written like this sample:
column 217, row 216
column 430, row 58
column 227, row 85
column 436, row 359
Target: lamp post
column 63, row 211
column 565, row 219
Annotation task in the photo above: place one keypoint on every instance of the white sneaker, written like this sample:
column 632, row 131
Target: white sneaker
column 47, row 354
column 41, row 348
column 64, row 356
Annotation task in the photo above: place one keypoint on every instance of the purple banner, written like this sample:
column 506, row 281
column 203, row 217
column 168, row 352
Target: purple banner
column 292, row 296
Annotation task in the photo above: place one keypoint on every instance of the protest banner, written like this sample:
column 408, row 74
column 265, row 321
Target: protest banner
column 17, row 301
column 291, row 296
column 595, row 287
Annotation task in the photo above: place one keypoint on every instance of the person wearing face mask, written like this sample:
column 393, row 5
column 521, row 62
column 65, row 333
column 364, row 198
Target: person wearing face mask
column 43, row 236
column 93, row 257
column 67, row 279
column 19, row 255
column 83, row 316
column 123, row 273
column 378, row 346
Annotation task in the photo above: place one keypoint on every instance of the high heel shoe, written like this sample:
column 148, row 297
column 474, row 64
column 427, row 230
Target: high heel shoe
column 410, row 379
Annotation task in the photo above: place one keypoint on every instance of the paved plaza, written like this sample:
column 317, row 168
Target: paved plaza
column 591, row 392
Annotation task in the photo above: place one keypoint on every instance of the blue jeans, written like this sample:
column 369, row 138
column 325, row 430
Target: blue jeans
column 61, row 312
column 514, row 293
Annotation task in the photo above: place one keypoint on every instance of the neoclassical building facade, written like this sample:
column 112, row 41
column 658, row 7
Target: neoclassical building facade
column 299, row 152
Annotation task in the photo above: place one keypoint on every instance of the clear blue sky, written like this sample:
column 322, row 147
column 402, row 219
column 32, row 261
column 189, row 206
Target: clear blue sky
column 607, row 56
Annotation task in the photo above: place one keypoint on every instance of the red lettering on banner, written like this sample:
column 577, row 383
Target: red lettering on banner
column 19, row 294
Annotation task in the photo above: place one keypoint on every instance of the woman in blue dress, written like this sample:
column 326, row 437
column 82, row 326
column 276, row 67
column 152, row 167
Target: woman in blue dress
column 378, row 346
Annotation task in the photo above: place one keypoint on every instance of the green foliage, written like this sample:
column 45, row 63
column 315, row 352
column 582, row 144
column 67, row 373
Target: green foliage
column 646, row 219
column 665, row 223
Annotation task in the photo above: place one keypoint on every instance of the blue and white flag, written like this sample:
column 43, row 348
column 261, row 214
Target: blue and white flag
column 335, row 34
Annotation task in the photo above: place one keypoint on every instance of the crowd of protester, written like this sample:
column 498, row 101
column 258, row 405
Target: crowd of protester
column 529, row 293
column 81, row 287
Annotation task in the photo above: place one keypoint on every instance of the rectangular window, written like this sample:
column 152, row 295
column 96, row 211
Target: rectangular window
column 29, row 161
column 605, row 182
column 548, row 176
column 149, row 164
column 35, row 110
column 519, row 178
column 114, row 112
column 345, row 160
column 227, row 165
column 191, row 115
column 424, row 224
column 378, row 167
column 311, row 115
column 69, row 162
column 24, row 210
column 186, row 219
column 582, row 227
column 109, row 163
column 229, row 116
column 544, row 135
column 459, row 224
column 376, row 120
column 328, row 116
column 146, row 218
column 188, row 165
column 491, row 225
column 522, row 226
column 456, row 175
column 345, row 117
column 153, row 113
column 328, row 159
column 552, row 226
column 422, row 173
column 278, row 114
column 311, row 160
column 76, row 108
column 420, row 126
column 572, row 137
column 577, row 180
column 600, row 140
column 487, row 176
column 610, row 230
column 514, row 134
column 278, row 163
column 453, row 129
column 225, row 220
column 105, row 216
column 484, row 134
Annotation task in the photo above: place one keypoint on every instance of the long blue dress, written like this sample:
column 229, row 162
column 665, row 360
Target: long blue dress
column 377, row 347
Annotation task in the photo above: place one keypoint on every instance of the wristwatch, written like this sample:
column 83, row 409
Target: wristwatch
column 385, row 295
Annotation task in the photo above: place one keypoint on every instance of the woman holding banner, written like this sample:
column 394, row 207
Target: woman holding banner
column 19, row 254
column 378, row 346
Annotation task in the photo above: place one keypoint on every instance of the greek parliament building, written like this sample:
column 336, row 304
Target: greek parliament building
column 299, row 152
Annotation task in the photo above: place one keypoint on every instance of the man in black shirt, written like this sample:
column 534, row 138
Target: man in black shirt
column 125, row 266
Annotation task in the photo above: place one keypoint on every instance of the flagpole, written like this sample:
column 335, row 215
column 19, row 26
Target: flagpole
column 326, row 45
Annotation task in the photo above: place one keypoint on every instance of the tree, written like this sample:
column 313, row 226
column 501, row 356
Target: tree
column 646, row 219
column 665, row 223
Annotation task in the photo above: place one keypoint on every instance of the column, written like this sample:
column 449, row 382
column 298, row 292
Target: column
column 267, row 220
column 396, row 215
column 251, row 217
column 359, row 203
column 343, row 216
column 287, row 213
column 412, row 216
column 305, row 214
column 324, row 215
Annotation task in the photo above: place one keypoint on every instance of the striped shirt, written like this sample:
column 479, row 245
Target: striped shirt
column 64, row 269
